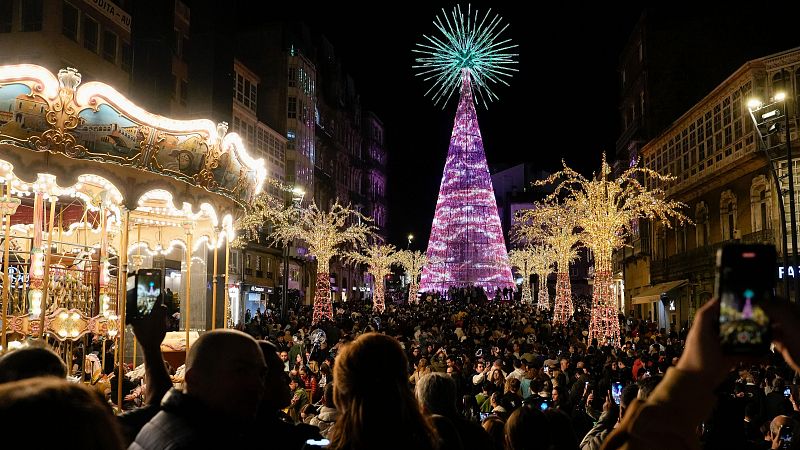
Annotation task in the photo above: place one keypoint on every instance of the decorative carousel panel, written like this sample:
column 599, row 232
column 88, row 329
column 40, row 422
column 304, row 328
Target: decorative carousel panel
column 95, row 122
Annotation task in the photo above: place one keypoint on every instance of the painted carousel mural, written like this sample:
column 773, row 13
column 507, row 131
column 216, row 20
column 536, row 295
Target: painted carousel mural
column 94, row 187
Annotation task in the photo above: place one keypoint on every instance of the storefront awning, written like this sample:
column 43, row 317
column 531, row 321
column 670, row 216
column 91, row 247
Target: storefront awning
column 653, row 293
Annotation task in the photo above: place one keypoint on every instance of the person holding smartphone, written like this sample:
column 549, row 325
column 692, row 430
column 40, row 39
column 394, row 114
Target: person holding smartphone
column 670, row 416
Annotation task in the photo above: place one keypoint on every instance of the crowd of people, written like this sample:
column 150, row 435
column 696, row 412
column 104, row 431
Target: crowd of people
column 462, row 372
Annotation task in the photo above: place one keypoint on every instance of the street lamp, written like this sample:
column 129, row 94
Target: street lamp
column 297, row 199
column 766, row 119
column 410, row 238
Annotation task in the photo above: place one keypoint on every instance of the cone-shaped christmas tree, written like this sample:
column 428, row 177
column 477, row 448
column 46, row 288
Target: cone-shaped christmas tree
column 466, row 245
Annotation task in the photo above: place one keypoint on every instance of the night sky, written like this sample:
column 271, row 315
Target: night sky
column 562, row 103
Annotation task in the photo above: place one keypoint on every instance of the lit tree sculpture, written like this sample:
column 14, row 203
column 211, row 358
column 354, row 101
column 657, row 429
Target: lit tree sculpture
column 554, row 225
column 379, row 259
column 532, row 261
column 606, row 210
column 412, row 262
column 466, row 245
column 325, row 233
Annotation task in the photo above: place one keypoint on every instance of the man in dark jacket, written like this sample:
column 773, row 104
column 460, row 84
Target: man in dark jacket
column 224, row 385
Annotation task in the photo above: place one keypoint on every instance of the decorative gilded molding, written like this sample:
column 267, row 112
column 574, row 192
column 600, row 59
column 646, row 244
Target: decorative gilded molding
column 92, row 121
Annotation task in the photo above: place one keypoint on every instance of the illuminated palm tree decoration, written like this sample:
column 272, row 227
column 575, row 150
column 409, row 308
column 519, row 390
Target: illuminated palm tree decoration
column 325, row 233
column 379, row 259
column 533, row 260
column 412, row 262
column 607, row 208
column 553, row 225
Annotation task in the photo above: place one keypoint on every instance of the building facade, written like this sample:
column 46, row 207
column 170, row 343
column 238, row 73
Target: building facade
column 94, row 38
column 723, row 177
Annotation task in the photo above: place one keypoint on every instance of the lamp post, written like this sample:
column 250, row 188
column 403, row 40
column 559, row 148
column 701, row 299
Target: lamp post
column 766, row 119
column 297, row 199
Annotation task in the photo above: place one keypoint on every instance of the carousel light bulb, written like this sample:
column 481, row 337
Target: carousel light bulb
column 35, row 298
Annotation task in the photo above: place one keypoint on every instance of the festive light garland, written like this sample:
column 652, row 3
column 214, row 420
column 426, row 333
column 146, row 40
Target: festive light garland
column 606, row 209
column 412, row 262
column 379, row 260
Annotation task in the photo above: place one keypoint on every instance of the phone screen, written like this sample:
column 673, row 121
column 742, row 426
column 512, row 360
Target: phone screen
column 543, row 405
column 314, row 443
column 148, row 289
column 786, row 437
column 745, row 280
column 484, row 415
column 616, row 391
column 787, row 392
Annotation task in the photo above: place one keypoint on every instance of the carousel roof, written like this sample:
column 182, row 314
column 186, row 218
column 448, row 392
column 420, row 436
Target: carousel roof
column 41, row 112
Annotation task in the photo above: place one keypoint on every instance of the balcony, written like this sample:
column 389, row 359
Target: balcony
column 685, row 265
column 765, row 236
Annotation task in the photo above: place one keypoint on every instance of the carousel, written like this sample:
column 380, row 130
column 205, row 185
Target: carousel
column 95, row 189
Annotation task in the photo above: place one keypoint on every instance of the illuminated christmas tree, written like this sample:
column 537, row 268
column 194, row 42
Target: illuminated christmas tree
column 466, row 245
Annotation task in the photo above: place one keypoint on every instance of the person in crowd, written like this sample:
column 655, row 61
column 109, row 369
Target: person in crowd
column 376, row 411
column 224, row 385
column 299, row 399
column 669, row 416
column 494, row 427
column 79, row 417
column 29, row 362
column 436, row 394
column 420, row 371
column 327, row 415
column 271, row 420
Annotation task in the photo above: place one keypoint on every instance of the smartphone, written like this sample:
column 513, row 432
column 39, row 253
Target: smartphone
column 544, row 405
column 484, row 415
column 616, row 391
column 786, row 437
column 787, row 391
column 744, row 281
column 316, row 443
column 144, row 290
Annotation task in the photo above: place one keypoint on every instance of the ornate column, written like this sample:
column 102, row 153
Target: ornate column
column 8, row 206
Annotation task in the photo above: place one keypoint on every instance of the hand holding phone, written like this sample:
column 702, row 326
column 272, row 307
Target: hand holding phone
column 744, row 281
column 143, row 292
column 616, row 391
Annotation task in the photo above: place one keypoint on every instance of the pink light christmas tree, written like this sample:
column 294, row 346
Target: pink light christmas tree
column 466, row 244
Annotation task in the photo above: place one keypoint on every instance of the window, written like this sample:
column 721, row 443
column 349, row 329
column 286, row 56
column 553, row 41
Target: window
column 292, row 76
column 32, row 15
column 69, row 21
column 727, row 212
column 127, row 57
column 5, row 15
column 185, row 48
column 184, row 92
column 759, row 203
column 174, row 87
column 641, row 51
column 110, row 47
column 90, row 33
column 292, row 108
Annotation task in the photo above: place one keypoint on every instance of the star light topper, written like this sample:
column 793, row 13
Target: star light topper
column 470, row 43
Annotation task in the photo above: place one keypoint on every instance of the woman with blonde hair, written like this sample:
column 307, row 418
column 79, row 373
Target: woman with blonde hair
column 376, row 407
column 421, row 370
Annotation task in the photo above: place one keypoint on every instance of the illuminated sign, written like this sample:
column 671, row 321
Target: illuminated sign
column 257, row 289
column 790, row 271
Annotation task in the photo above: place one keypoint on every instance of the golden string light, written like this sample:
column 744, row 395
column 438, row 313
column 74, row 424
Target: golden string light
column 379, row 259
column 607, row 209
column 554, row 225
column 412, row 262
column 325, row 233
